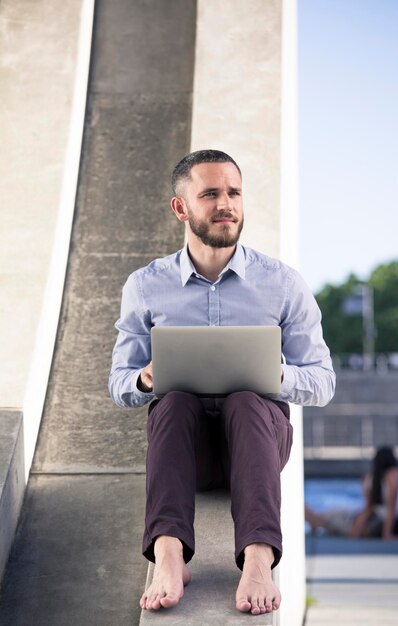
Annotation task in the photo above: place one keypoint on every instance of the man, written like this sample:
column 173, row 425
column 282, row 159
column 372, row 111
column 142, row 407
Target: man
column 242, row 441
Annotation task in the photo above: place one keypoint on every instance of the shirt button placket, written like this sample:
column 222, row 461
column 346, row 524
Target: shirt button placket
column 214, row 306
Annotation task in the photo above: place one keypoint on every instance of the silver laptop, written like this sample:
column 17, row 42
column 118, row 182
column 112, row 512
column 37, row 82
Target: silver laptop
column 216, row 360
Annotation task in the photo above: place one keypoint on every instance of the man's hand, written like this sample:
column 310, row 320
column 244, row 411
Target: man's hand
column 145, row 379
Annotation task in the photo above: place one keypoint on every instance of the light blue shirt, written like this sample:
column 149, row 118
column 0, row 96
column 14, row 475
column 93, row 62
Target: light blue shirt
column 252, row 290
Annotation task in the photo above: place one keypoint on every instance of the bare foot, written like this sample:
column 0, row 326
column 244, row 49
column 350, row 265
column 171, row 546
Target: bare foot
column 256, row 591
column 170, row 575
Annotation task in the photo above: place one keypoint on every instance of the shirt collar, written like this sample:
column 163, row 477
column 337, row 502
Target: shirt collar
column 186, row 266
column 237, row 264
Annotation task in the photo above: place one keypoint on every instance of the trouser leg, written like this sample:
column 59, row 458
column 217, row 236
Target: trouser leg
column 176, row 431
column 259, row 438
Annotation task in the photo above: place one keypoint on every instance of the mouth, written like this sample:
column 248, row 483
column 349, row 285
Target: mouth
column 224, row 219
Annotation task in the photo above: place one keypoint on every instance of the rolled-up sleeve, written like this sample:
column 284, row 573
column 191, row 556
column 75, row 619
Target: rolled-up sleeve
column 308, row 376
column 132, row 351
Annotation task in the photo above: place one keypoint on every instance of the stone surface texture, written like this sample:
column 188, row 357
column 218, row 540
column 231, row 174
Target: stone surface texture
column 76, row 558
column 38, row 50
column 137, row 127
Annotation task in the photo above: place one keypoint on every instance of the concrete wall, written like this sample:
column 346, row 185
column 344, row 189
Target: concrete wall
column 245, row 103
column 137, row 127
column 44, row 52
column 44, row 61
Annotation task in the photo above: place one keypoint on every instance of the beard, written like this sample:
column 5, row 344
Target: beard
column 223, row 238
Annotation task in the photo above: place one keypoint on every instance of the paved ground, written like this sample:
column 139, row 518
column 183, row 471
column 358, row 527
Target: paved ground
column 352, row 582
column 76, row 558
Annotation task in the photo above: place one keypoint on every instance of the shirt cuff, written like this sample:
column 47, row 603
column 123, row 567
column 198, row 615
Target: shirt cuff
column 288, row 381
column 137, row 392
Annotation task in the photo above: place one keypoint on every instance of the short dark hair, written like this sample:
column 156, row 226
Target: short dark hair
column 183, row 168
column 383, row 460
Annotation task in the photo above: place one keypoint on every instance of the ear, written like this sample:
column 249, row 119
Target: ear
column 179, row 208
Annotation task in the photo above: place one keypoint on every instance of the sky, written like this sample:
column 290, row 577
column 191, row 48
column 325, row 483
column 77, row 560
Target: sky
column 348, row 137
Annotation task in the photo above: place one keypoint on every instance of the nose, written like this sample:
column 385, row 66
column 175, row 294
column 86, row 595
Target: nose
column 224, row 201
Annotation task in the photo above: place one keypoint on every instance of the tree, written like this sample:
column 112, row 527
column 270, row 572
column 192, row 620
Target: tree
column 343, row 333
column 384, row 280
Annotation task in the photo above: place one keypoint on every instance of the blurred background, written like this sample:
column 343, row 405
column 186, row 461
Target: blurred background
column 348, row 125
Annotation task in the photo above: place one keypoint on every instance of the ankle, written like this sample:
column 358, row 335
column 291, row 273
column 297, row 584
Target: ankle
column 262, row 551
column 165, row 543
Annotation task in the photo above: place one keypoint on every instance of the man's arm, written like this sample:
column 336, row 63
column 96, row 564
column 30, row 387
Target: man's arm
column 308, row 376
column 132, row 351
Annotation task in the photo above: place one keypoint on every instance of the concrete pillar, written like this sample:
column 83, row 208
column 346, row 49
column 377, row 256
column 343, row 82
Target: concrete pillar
column 244, row 103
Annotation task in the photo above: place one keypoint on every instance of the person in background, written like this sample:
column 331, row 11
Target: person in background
column 379, row 516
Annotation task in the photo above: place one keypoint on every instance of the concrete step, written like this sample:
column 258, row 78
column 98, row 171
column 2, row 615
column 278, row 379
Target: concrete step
column 12, row 482
column 76, row 558
column 210, row 597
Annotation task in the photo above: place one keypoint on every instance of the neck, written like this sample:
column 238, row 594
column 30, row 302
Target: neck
column 208, row 261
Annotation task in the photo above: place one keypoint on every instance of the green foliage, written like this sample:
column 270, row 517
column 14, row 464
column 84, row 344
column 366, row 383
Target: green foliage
column 343, row 333
column 384, row 280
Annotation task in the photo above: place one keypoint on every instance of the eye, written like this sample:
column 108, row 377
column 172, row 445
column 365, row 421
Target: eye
column 234, row 193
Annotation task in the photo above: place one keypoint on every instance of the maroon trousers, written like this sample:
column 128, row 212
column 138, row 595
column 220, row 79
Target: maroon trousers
column 242, row 443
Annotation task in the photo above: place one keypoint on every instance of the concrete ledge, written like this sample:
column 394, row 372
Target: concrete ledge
column 210, row 597
column 12, row 479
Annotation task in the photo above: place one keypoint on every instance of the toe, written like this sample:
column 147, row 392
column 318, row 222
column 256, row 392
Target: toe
column 255, row 610
column 143, row 601
column 276, row 601
column 261, row 606
column 268, row 605
column 153, row 602
column 170, row 600
column 243, row 605
column 148, row 601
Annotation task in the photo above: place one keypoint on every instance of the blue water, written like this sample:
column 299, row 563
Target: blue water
column 323, row 494
column 331, row 493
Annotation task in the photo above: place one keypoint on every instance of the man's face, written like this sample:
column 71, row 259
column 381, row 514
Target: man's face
column 213, row 199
